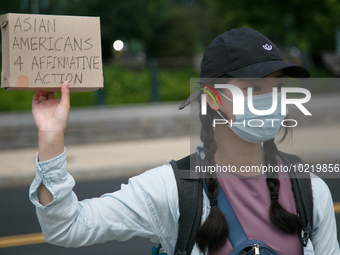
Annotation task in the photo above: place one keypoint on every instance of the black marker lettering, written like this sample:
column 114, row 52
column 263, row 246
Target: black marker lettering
column 42, row 43
column 35, row 25
column 51, row 25
column 18, row 24
column 38, row 78
column 68, row 43
column 30, row 26
column 69, row 74
column 15, row 43
column 83, row 63
column 72, row 63
column 61, row 78
column 55, row 44
column 50, row 43
column 80, row 45
column 54, row 75
column 45, row 82
column 41, row 61
column 77, row 58
column 90, row 44
column 89, row 63
column 33, row 43
column 66, row 63
column 42, row 25
column 95, row 63
column 54, row 58
column 23, row 43
column 60, row 59
column 34, row 62
column 76, row 77
column 48, row 62
column 18, row 62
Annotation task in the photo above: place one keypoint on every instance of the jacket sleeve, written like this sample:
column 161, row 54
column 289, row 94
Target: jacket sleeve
column 324, row 235
column 147, row 206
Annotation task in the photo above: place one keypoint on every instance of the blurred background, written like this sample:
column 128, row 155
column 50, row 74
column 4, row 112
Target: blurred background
column 162, row 42
column 151, row 49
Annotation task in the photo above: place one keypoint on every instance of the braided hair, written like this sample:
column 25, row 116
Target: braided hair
column 213, row 233
column 280, row 217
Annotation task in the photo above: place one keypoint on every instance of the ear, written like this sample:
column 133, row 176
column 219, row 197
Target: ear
column 212, row 99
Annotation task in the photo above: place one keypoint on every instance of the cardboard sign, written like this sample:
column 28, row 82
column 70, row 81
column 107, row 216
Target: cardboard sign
column 40, row 52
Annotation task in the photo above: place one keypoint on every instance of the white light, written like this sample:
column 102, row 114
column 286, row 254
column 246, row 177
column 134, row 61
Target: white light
column 118, row 45
column 295, row 52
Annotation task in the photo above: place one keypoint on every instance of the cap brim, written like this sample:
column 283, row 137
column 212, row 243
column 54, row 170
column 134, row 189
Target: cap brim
column 262, row 69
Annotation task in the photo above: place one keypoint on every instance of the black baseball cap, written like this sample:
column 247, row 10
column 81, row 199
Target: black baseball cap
column 244, row 53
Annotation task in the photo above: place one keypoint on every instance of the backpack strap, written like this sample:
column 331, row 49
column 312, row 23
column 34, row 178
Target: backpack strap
column 190, row 196
column 302, row 189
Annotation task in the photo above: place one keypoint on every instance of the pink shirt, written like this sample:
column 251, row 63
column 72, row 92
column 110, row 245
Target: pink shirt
column 250, row 199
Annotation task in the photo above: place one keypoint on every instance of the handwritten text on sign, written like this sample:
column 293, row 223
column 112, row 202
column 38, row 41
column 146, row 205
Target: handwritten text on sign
column 46, row 44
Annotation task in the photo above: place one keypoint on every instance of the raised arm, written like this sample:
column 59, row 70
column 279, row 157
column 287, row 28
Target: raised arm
column 50, row 116
column 147, row 206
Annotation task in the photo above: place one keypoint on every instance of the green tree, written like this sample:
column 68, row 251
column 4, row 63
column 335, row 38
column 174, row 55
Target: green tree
column 307, row 24
column 164, row 28
column 120, row 19
column 11, row 6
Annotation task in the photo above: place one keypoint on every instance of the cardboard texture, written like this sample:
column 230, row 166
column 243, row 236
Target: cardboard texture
column 40, row 52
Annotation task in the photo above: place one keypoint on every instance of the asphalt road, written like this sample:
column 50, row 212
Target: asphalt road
column 18, row 217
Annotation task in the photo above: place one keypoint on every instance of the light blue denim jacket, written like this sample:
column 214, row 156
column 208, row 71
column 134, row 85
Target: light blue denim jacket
column 147, row 206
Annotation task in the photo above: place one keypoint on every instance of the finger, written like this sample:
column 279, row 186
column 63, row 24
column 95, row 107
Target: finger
column 37, row 96
column 42, row 98
column 65, row 94
column 51, row 95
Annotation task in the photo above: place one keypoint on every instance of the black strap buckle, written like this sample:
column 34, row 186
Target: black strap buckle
column 307, row 234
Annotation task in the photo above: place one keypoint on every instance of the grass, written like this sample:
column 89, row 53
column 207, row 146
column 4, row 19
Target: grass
column 122, row 86
column 126, row 86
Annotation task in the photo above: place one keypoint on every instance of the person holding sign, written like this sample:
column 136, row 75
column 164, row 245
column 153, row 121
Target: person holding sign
column 149, row 205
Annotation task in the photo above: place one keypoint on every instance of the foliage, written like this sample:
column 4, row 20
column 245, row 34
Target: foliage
column 308, row 24
column 124, row 87
column 15, row 100
column 120, row 19
column 168, row 28
column 177, row 36
column 121, row 87
column 130, row 86
column 175, row 84
column 11, row 6
column 181, row 28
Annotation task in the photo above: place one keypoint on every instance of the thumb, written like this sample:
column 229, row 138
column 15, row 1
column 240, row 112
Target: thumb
column 65, row 94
